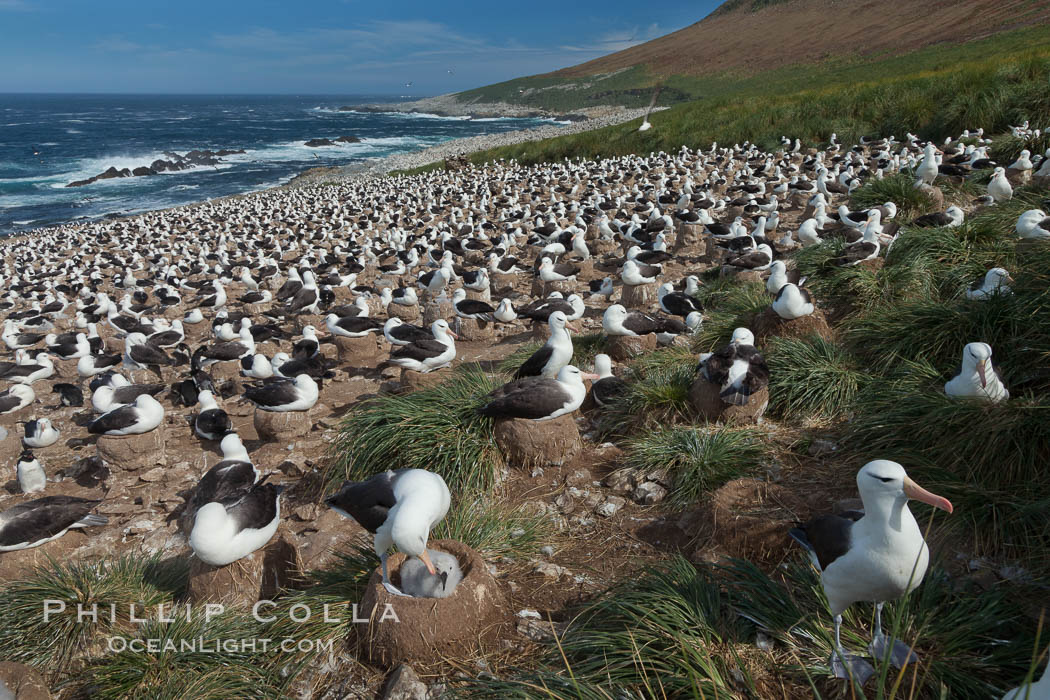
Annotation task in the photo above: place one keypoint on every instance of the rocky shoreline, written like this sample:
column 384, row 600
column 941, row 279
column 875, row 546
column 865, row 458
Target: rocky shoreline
column 450, row 105
column 599, row 117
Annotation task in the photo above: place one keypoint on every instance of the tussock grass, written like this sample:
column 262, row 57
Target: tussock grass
column 898, row 188
column 436, row 429
column 813, row 377
column 676, row 630
column 657, row 636
column 493, row 529
column 53, row 645
column 989, row 459
column 936, row 332
column 998, row 444
column 655, row 394
column 730, row 304
column 850, row 288
column 972, row 643
column 178, row 671
column 943, row 262
column 1006, row 149
column 697, row 459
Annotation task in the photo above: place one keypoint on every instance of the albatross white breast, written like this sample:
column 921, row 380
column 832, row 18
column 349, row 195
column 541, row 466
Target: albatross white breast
column 978, row 376
column 228, row 530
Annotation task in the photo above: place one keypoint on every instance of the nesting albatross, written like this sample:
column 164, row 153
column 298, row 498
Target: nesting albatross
column 38, row 522
column 539, row 398
column 400, row 508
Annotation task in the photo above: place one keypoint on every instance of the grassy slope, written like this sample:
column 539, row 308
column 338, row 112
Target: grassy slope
column 753, row 37
column 933, row 92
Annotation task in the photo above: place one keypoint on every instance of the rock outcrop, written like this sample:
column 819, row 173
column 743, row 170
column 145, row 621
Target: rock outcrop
column 318, row 143
column 174, row 163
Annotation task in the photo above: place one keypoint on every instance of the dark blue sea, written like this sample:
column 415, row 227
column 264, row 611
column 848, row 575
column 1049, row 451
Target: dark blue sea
column 48, row 141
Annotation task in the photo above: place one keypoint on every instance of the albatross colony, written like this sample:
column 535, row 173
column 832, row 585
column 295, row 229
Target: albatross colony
column 187, row 322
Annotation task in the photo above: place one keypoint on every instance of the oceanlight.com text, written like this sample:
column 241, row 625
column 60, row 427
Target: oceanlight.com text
column 201, row 645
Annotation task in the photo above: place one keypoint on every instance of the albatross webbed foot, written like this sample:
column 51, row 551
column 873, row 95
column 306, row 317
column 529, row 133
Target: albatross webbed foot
column 849, row 666
column 900, row 655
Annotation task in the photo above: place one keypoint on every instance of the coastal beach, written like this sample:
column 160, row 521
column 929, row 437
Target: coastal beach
column 597, row 119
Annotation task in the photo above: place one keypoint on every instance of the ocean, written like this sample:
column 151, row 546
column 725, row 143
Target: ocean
column 48, row 141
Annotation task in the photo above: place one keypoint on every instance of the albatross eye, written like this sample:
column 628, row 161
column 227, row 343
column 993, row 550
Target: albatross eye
column 883, row 479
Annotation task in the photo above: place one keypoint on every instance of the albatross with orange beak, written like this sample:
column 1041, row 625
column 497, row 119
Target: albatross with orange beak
column 978, row 376
column 875, row 555
column 400, row 508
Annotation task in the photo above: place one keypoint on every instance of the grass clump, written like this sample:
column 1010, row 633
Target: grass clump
column 898, row 188
column 697, row 459
column 813, row 377
column 680, row 630
column 656, row 636
column 436, row 429
column 492, row 529
column 936, row 331
column 54, row 644
column 657, row 393
column 179, row 660
column 989, row 459
column 972, row 643
column 729, row 305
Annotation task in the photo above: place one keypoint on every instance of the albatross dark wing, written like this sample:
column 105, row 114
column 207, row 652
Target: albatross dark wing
column 826, row 537
column 533, row 366
column 367, row 502
column 116, row 419
column 534, row 400
column 420, row 350
column 45, row 517
column 227, row 479
column 257, row 508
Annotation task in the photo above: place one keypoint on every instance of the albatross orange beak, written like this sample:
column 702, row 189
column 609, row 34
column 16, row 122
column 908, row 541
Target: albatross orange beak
column 589, row 375
column 453, row 334
column 918, row 493
column 982, row 373
column 572, row 327
column 425, row 558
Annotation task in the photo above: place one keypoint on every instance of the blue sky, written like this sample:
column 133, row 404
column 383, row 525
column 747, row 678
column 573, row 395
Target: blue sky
column 308, row 46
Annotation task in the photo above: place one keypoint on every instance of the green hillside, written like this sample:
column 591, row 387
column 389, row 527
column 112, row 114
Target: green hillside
column 935, row 92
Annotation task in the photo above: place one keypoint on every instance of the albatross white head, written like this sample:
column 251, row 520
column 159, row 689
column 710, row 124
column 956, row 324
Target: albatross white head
column 742, row 336
column 882, row 479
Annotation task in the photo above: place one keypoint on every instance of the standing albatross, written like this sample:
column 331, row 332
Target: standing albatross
column 874, row 556
column 400, row 508
column 555, row 353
